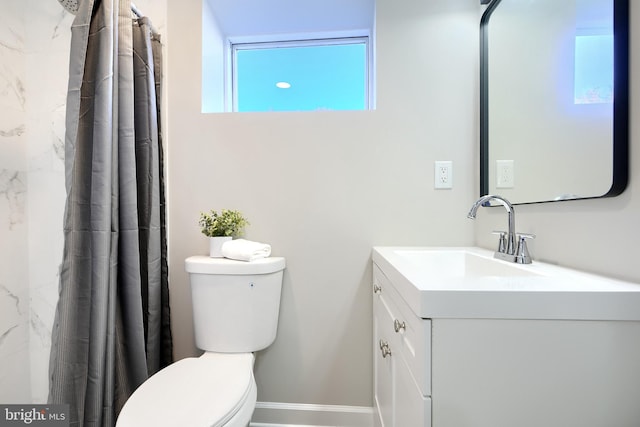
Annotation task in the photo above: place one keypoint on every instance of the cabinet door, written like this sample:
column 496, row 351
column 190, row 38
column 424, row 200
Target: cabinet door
column 398, row 395
column 414, row 337
column 384, row 365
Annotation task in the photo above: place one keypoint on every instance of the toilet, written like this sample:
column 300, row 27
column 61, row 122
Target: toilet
column 235, row 313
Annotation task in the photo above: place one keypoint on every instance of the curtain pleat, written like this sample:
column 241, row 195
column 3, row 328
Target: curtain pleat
column 112, row 325
column 148, row 188
column 166, row 345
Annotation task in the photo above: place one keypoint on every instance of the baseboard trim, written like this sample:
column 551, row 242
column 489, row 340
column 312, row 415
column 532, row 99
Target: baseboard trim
column 269, row 414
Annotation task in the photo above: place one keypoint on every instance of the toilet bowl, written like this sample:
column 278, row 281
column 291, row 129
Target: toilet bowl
column 235, row 312
column 215, row 389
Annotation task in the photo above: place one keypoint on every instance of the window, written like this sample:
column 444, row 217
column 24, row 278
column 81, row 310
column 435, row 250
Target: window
column 593, row 82
column 308, row 75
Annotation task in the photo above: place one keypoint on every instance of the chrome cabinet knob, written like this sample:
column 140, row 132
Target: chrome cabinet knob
column 377, row 289
column 399, row 326
column 385, row 349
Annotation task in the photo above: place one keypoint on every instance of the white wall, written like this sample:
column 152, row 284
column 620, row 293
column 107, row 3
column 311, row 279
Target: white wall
column 324, row 187
column 598, row 235
column 212, row 63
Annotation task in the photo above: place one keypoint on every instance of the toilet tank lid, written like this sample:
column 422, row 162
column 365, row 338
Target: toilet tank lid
column 208, row 265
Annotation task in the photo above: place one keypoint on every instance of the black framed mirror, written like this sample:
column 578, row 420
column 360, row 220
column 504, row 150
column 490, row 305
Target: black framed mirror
column 554, row 107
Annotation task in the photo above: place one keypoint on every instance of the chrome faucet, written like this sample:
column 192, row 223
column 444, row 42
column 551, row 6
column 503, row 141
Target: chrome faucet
column 508, row 249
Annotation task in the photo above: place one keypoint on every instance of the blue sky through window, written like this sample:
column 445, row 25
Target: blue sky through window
column 322, row 77
column 594, row 69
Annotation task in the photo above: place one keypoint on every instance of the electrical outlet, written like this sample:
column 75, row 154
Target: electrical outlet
column 504, row 174
column 443, row 174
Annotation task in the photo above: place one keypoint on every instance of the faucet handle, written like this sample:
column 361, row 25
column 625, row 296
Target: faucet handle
column 502, row 240
column 522, row 253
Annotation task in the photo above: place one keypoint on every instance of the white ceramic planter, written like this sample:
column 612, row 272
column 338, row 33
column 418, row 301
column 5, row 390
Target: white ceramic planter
column 215, row 245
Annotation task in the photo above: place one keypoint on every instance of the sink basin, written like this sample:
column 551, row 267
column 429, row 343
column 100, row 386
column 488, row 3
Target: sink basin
column 468, row 282
column 460, row 263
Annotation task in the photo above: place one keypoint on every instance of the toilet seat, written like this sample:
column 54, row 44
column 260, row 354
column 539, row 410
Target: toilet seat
column 215, row 389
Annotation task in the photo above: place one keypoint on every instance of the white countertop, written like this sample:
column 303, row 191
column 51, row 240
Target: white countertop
column 505, row 290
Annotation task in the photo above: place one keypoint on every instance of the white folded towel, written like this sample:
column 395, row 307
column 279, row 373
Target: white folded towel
column 245, row 250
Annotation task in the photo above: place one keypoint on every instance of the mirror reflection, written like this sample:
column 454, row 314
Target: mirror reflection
column 554, row 113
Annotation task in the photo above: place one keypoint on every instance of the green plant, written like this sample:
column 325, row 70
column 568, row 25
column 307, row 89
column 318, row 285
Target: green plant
column 226, row 223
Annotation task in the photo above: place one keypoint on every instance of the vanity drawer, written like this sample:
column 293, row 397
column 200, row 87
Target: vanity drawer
column 413, row 333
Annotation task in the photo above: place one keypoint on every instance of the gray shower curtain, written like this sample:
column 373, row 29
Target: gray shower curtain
column 111, row 330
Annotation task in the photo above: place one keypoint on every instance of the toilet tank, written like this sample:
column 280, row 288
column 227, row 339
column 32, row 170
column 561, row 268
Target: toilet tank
column 235, row 303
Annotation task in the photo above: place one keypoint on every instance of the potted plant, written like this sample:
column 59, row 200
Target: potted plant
column 221, row 227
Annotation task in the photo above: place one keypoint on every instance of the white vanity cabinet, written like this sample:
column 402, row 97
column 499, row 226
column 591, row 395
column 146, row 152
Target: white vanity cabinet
column 535, row 373
column 402, row 360
column 569, row 361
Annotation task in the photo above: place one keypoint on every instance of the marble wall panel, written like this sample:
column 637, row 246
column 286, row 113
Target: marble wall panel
column 14, row 289
column 34, row 57
column 47, row 61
